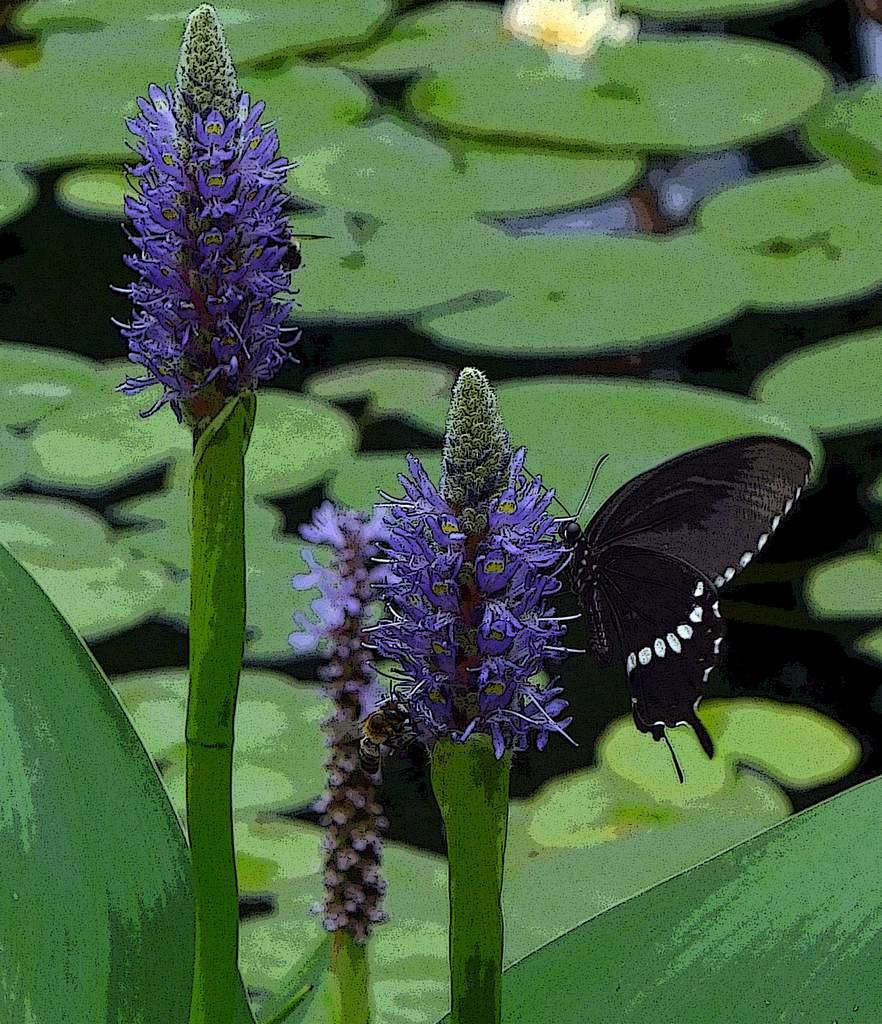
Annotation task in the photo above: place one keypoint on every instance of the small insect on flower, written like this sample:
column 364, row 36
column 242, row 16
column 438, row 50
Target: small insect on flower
column 388, row 725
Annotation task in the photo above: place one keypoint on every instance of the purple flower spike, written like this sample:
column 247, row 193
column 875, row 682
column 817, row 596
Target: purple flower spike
column 211, row 235
column 470, row 574
column 350, row 812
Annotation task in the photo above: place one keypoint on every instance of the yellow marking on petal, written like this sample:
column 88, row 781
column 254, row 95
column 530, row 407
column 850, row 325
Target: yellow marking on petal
column 440, row 588
column 438, row 648
column 168, row 159
column 448, row 527
column 496, row 565
column 496, row 634
column 436, row 696
column 216, row 180
column 170, row 213
column 214, row 238
column 494, row 689
column 506, row 507
column 254, row 143
column 213, row 128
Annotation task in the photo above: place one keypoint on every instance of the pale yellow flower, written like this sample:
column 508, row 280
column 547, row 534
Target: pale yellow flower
column 573, row 27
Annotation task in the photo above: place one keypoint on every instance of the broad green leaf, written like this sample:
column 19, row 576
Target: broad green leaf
column 705, row 10
column 15, row 458
column 35, row 381
column 804, row 237
column 96, row 871
column 358, row 481
column 845, row 126
column 870, row 645
column 639, row 97
column 835, row 386
column 405, row 389
column 87, row 83
column 253, row 31
column 279, row 746
column 94, row 192
column 847, row 587
column 89, row 575
column 18, row 193
column 601, row 294
column 803, row 895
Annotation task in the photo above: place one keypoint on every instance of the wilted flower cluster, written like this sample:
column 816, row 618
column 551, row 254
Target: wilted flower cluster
column 469, row 586
column 353, row 818
column 211, row 233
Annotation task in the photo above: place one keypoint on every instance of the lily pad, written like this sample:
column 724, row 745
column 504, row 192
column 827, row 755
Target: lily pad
column 706, row 10
column 803, row 237
column 639, row 97
column 601, row 294
column 18, row 193
column 73, row 555
column 405, row 389
column 870, row 645
column 95, row 192
column 847, row 587
column 845, row 126
column 834, row 385
column 254, row 31
column 279, row 746
column 15, row 458
column 86, row 83
column 35, row 381
column 357, row 482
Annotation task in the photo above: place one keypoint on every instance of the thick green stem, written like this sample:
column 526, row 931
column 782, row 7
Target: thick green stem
column 471, row 788
column 217, row 636
column 349, row 980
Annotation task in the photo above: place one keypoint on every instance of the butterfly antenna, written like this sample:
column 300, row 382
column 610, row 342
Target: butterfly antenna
column 674, row 758
column 555, row 498
column 596, row 470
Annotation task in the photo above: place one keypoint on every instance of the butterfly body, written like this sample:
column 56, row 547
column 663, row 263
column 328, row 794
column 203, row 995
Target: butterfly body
column 648, row 569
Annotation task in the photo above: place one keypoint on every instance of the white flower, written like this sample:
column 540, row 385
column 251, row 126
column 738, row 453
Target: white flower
column 573, row 27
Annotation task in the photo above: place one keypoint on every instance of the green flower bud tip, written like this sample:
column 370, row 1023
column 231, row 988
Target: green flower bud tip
column 206, row 79
column 477, row 448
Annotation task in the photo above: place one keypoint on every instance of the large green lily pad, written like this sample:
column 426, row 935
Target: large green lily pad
column 834, row 385
column 95, row 192
column 18, row 193
column 803, row 237
column 35, row 381
column 358, row 481
column 639, row 97
column 705, row 10
column 98, row 922
column 85, row 84
column 599, row 294
column 848, row 586
column 254, row 31
column 69, row 550
column 279, row 746
column 845, row 126
column 801, row 895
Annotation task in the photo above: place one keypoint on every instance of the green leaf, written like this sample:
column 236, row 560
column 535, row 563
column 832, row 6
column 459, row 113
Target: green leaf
column 639, row 97
column 803, row 237
column 847, row 587
column 834, row 385
column 94, row 192
column 846, row 127
column 99, row 886
column 358, row 481
column 705, row 10
column 91, row 577
column 601, row 294
column 256, row 31
column 804, row 893
column 18, row 193
column 35, row 381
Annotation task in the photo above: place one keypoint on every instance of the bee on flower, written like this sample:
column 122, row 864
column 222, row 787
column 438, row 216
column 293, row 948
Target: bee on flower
column 572, row 27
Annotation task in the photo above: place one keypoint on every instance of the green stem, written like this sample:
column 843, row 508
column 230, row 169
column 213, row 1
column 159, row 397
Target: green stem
column 289, row 1007
column 349, row 980
column 471, row 788
column 217, row 635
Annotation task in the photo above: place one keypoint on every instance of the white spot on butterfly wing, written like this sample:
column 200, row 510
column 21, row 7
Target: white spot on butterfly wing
column 707, row 672
column 696, row 614
column 715, row 607
column 699, row 589
column 659, row 647
column 776, row 522
column 674, row 643
column 761, row 543
column 745, row 559
column 728, row 573
column 645, row 656
column 631, row 663
column 684, row 631
column 718, row 582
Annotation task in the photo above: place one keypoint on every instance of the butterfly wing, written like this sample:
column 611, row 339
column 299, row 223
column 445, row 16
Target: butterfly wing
column 649, row 566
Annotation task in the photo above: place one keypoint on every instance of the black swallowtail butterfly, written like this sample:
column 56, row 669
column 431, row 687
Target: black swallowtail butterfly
column 648, row 567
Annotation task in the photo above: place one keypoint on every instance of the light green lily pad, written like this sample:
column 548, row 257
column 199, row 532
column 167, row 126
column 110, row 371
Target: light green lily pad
column 834, row 385
column 95, row 192
column 573, row 295
column 870, row 646
column 279, row 747
column 18, row 193
column 35, row 381
column 86, row 84
column 847, row 587
column 639, row 97
column 804, row 237
column 705, row 10
column 357, row 482
column 405, row 389
column 254, row 31
column 387, row 166
column 15, row 458
column 845, row 126
column 73, row 555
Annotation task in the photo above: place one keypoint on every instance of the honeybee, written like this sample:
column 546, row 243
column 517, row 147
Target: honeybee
column 388, row 725
column 293, row 259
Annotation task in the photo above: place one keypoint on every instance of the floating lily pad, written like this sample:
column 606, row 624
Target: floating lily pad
column 35, row 381
column 374, row 269
column 358, row 481
column 639, row 97
column 279, row 746
column 86, row 83
column 834, row 385
column 72, row 554
column 573, row 295
column 18, row 193
column 387, row 165
column 706, row 10
column 870, row 645
column 847, row 587
column 803, row 237
column 404, row 389
column 272, row 558
column 845, row 126
column 95, row 192
column 15, row 458
column 254, row 31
